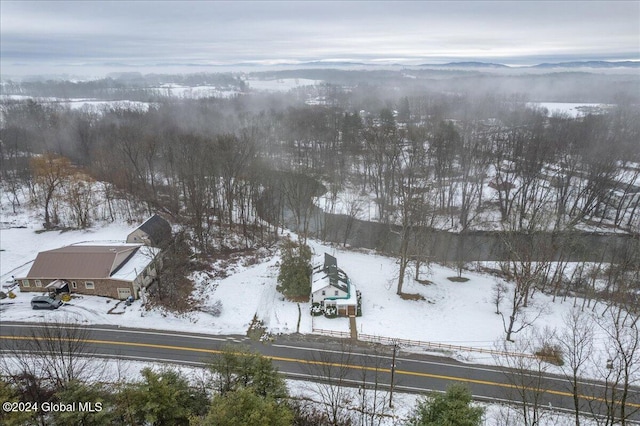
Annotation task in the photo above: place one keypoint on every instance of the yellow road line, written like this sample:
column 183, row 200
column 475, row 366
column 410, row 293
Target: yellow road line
column 330, row 364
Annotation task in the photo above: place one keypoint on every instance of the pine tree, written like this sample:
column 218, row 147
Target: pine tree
column 163, row 398
column 294, row 279
column 452, row 408
column 244, row 408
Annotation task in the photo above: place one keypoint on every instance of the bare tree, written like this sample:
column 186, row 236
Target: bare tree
column 498, row 294
column 383, row 141
column 373, row 401
column 576, row 342
column 526, row 376
column 53, row 355
column 523, row 268
column 411, row 194
column 331, row 369
column 621, row 368
column 50, row 172
column 354, row 205
column 298, row 191
column 79, row 196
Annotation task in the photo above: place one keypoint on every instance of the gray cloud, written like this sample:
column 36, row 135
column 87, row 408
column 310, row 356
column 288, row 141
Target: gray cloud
column 68, row 35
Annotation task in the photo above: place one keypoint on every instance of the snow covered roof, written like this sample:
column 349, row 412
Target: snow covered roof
column 329, row 277
column 319, row 281
column 136, row 264
column 352, row 300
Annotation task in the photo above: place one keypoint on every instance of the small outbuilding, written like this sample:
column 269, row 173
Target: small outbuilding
column 154, row 232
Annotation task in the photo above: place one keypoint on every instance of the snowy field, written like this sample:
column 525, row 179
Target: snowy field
column 573, row 110
column 194, row 92
column 81, row 103
column 281, row 84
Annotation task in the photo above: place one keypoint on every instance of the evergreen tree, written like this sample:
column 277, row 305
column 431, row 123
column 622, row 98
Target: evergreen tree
column 11, row 394
column 294, row 279
column 163, row 398
column 98, row 413
column 235, row 370
column 244, row 408
column 452, row 408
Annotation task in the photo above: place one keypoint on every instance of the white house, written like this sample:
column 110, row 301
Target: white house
column 331, row 287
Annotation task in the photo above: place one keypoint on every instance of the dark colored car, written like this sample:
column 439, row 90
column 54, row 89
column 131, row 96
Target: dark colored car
column 45, row 302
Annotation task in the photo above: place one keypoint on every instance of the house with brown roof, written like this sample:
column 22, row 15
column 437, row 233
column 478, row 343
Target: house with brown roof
column 117, row 271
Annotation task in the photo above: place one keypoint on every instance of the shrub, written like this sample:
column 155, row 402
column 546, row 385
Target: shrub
column 551, row 354
column 452, row 408
column 215, row 309
column 316, row 309
column 330, row 311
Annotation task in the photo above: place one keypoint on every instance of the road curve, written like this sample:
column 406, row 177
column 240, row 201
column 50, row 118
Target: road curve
column 319, row 358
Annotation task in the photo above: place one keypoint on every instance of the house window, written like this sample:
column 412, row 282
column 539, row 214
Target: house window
column 38, row 283
column 89, row 285
column 74, row 284
column 25, row 283
column 324, row 292
column 336, row 292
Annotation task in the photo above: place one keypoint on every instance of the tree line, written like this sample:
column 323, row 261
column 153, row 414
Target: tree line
column 430, row 160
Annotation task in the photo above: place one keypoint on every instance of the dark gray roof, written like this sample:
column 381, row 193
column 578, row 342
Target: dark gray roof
column 158, row 230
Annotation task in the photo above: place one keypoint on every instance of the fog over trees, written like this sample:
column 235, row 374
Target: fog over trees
column 414, row 150
column 452, row 150
column 394, row 158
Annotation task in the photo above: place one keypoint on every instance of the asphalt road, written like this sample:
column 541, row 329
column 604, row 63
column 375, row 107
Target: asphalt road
column 320, row 358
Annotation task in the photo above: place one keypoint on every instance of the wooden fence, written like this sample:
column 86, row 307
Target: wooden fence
column 332, row 333
column 433, row 345
column 416, row 343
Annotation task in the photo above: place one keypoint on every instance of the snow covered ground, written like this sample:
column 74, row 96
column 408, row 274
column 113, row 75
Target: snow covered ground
column 81, row 103
column 572, row 109
column 194, row 92
column 452, row 313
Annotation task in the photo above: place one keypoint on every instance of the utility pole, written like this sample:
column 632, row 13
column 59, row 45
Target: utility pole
column 393, row 370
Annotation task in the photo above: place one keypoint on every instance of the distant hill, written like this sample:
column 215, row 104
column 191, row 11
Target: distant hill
column 590, row 64
column 468, row 64
column 574, row 64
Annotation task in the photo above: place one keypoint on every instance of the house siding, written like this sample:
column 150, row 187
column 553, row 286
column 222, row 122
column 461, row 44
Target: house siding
column 155, row 231
column 317, row 297
column 138, row 236
column 102, row 287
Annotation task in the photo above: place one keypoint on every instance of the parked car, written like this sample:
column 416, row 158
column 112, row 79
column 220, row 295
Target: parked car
column 45, row 302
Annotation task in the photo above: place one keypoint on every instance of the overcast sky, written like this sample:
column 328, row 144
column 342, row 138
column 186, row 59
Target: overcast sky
column 92, row 36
